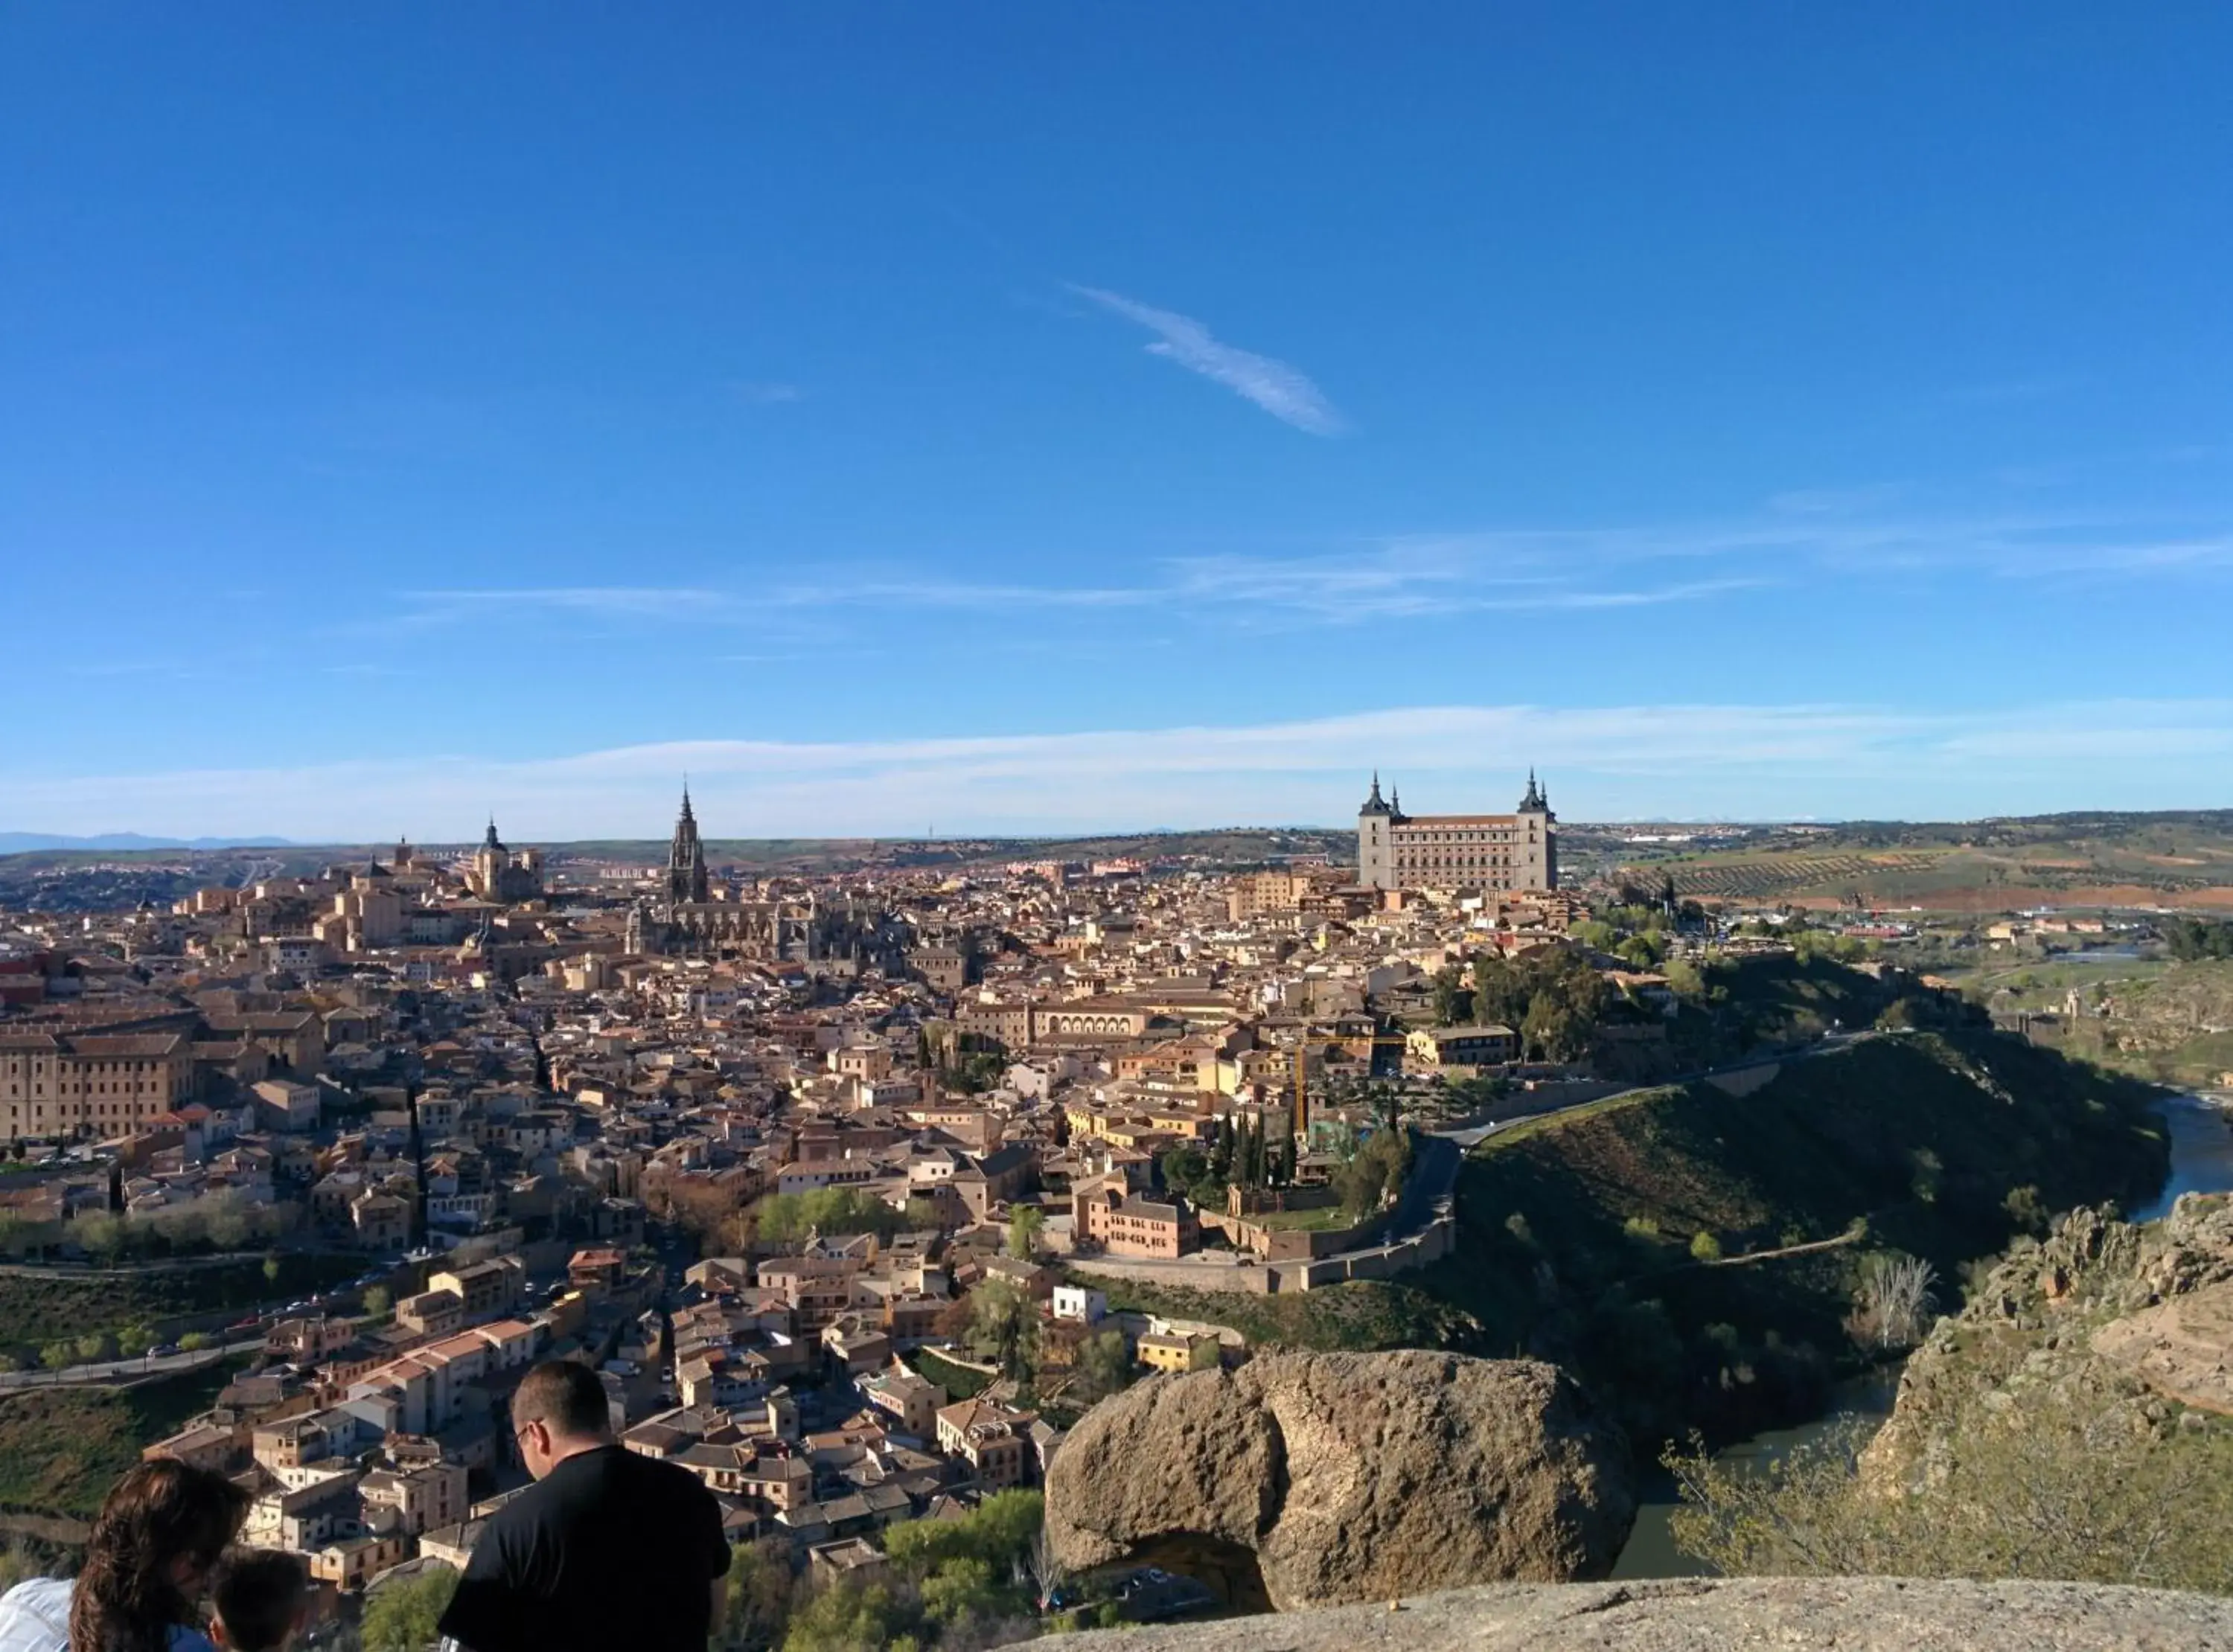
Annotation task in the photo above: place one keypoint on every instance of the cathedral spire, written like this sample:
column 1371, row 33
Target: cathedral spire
column 686, row 856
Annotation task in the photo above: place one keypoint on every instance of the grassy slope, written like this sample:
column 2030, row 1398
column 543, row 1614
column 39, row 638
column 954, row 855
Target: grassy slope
column 1923, row 1135
column 62, row 1448
column 37, row 1308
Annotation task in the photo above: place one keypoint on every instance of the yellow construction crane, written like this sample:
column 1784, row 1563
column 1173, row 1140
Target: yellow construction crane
column 1302, row 1115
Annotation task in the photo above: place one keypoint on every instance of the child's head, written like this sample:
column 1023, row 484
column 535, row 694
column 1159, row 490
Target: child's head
column 260, row 1597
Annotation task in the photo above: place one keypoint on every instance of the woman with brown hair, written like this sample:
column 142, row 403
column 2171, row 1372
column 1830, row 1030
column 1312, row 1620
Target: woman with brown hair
column 159, row 1533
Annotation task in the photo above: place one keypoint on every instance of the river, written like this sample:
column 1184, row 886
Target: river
column 2201, row 1163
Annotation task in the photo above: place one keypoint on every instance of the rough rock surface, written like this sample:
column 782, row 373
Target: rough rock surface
column 2126, row 1315
column 1309, row 1479
column 1684, row 1615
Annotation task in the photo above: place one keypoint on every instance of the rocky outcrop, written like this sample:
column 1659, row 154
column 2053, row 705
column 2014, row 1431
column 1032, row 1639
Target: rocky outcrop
column 1309, row 1479
column 2101, row 1311
column 1851, row 1614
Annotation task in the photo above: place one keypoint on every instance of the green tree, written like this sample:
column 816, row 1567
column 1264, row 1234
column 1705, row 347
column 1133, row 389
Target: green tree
column 271, row 1269
column 1596, row 933
column 847, row 1616
column 787, row 1218
column 93, row 1346
column 1003, row 1326
column 961, row 1591
column 761, row 1591
column 377, row 1299
column 101, row 1235
column 924, row 1216
column 134, row 1341
column 227, row 1227
column 1704, row 1247
column 999, row 1531
column 1025, row 1223
column 1453, row 1002
column 1104, row 1365
column 1377, row 1170
column 193, row 1342
column 1644, row 951
column 58, row 1356
column 402, row 1617
column 1185, row 1170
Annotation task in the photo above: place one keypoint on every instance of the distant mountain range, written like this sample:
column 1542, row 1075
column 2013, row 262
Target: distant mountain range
column 21, row 842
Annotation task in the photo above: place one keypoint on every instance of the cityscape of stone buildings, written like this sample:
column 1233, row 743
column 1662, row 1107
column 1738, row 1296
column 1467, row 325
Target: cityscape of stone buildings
column 513, row 1103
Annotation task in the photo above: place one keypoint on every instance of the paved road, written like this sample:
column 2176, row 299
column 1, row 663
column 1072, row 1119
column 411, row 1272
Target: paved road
column 130, row 1369
column 1475, row 1134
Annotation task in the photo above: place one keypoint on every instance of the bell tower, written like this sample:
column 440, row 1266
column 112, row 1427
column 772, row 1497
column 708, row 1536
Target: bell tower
column 1376, row 841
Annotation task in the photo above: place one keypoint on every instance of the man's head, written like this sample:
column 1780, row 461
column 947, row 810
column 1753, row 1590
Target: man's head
column 261, row 1598
column 559, row 1410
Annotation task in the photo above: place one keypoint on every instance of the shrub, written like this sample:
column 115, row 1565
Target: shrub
column 2058, row 1485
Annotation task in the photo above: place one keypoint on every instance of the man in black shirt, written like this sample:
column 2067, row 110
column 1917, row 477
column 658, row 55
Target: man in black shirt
column 608, row 1550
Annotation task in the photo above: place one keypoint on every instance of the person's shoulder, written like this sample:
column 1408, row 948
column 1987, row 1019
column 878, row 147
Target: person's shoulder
column 524, row 1509
column 35, row 1615
column 658, row 1476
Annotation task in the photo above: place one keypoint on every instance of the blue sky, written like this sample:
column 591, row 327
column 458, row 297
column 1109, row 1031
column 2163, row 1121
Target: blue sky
column 1053, row 418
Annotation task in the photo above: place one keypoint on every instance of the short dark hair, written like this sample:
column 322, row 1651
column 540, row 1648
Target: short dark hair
column 257, row 1594
column 564, row 1395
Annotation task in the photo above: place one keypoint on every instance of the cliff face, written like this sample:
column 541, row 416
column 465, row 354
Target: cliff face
column 1852, row 1613
column 2130, row 1323
column 1314, row 1479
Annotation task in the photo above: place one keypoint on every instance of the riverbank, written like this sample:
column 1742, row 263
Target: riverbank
column 2200, row 1132
column 1601, row 1240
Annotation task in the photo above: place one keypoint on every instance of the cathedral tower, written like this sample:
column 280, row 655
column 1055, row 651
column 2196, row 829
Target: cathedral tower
column 685, row 859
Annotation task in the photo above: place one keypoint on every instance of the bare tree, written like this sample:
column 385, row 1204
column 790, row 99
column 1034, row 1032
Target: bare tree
column 1042, row 1570
column 1893, row 1301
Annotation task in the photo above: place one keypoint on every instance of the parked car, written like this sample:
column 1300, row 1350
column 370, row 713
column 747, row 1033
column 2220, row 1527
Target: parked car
column 162, row 1350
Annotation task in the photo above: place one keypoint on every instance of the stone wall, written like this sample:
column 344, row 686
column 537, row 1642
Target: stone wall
column 1188, row 1276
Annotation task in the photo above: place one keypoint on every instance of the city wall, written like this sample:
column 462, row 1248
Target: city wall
column 1437, row 1239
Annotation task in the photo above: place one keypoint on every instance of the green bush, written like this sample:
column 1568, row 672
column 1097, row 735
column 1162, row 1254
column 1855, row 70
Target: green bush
column 2056, row 1485
column 400, row 1616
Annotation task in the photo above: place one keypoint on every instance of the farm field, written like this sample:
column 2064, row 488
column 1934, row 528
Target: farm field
column 2179, row 861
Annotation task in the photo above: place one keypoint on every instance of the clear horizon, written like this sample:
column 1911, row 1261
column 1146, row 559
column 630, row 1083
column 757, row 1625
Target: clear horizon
column 1044, row 422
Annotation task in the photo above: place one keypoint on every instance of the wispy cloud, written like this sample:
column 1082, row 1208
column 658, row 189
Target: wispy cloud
column 1813, row 537
column 1284, row 392
column 762, row 392
column 430, row 608
column 1681, row 760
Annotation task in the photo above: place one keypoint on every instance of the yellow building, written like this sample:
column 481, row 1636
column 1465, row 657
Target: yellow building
column 1169, row 1351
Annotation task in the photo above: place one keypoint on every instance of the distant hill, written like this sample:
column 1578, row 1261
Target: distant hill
column 2169, row 858
column 26, row 842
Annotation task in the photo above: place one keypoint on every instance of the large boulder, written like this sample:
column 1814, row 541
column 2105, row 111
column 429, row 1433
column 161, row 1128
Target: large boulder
column 1316, row 1479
